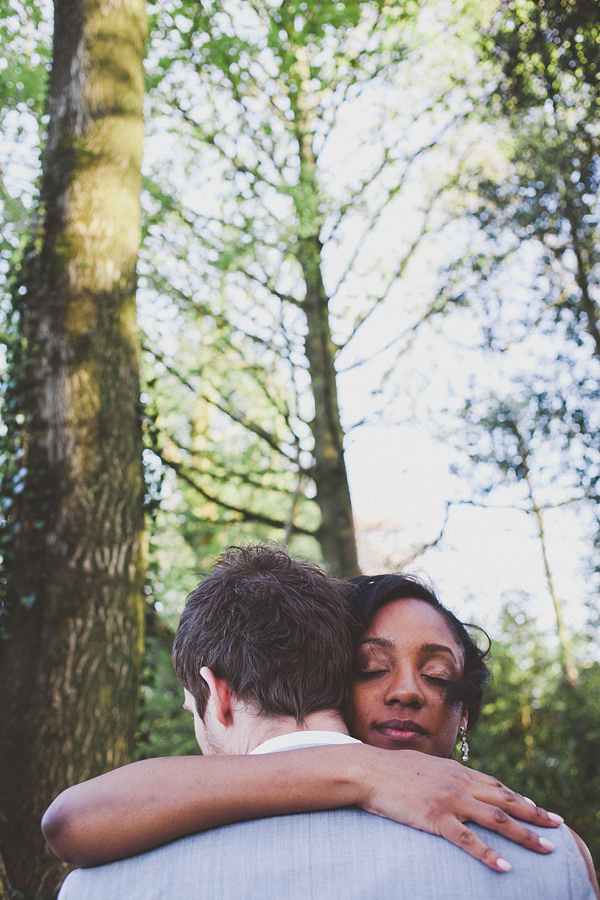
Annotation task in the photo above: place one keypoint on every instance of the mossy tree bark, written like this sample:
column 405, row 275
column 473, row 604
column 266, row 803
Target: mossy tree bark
column 73, row 552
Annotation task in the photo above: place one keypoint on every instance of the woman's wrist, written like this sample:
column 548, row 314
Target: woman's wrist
column 320, row 778
column 358, row 765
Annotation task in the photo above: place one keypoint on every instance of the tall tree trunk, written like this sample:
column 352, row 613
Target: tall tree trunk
column 73, row 554
column 336, row 532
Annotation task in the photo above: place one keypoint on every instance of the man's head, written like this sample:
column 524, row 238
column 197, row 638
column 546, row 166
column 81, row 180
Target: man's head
column 274, row 629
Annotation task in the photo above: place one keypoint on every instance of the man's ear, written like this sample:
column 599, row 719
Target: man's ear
column 221, row 696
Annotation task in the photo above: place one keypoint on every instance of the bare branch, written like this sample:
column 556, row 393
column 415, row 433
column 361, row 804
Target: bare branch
column 427, row 545
column 376, row 215
column 409, row 332
column 234, row 414
column 268, row 285
column 242, row 513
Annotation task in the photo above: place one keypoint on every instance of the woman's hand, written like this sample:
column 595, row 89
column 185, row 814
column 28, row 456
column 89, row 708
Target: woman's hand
column 440, row 795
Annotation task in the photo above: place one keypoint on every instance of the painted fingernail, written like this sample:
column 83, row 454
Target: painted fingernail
column 547, row 845
column 556, row 818
column 503, row 864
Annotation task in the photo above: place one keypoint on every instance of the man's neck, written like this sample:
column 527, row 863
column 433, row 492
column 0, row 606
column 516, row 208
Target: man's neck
column 261, row 729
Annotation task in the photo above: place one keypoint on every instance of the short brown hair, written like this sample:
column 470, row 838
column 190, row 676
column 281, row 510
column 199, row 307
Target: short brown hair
column 275, row 628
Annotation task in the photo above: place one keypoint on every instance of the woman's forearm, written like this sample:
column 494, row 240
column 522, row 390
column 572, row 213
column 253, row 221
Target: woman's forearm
column 148, row 803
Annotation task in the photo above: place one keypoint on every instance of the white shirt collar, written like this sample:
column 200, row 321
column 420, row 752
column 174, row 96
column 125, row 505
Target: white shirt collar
column 296, row 739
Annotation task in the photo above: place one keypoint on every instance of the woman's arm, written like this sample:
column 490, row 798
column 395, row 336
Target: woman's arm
column 148, row 803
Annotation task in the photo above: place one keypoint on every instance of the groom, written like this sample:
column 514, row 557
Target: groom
column 263, row 652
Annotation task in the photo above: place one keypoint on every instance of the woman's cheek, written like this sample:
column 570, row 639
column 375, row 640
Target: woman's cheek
column 362, row 702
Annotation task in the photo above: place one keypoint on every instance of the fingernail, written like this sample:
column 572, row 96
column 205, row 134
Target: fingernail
column 556, row 818
column 503, row 864
column 547, row 845
column 529, row 800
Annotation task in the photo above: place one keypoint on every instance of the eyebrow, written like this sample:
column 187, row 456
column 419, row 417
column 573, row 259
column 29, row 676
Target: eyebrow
column 376, row 642
column 427, row 648
column 440, row 648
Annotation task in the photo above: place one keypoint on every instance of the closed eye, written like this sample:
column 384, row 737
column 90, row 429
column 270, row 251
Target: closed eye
column 437, row 679
column 371, row 673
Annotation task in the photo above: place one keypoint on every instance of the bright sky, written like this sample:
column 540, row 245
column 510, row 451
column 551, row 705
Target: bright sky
column 400, row 482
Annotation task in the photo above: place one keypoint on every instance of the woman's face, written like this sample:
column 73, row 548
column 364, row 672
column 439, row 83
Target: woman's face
column 404, row 663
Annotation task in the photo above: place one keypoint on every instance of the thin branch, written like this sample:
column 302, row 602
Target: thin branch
column 409, row 332
column 267, row 285
column 408, row 164
column 236, row 161
column 244, row 515
column 427, row 545
column 289, row 528
column 233, row 414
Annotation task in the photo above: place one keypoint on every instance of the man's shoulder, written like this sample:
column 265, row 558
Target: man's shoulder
column 327, row 854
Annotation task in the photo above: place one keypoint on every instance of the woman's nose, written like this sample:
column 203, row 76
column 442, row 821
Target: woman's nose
column 404, row 688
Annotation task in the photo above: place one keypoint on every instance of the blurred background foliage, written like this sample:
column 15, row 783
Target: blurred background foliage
column 539, row 733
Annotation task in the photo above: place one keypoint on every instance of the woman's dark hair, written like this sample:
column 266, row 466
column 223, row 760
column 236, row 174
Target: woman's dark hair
column 368, row 593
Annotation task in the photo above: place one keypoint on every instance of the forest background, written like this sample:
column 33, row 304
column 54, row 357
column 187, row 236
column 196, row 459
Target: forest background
column 319, row 273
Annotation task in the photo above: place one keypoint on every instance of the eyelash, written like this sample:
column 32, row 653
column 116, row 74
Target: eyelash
column 373, row 673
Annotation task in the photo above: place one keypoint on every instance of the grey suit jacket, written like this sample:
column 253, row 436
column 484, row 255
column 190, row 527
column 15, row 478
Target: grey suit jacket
column 339, row 854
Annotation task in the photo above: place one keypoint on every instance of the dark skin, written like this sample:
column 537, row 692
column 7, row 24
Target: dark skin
column 405, row 662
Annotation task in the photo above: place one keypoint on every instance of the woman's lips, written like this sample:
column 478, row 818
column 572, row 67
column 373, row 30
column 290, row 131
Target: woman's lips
column 400, row 730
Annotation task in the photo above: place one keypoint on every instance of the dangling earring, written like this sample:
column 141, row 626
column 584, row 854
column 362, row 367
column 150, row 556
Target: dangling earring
column 464, row 747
